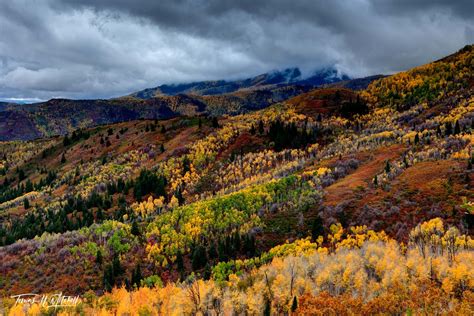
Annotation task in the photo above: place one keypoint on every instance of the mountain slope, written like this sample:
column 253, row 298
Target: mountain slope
column 3, row 106
column 333, row 199
column 428, row 83
column 263, row 81
column 61, row 116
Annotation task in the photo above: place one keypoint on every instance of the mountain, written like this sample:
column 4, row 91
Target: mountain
column 62, row 116
column 354, row 84
column 324, row 76
column 215, row 98
column 331, row 201
column 17, row 125
column 284, row 77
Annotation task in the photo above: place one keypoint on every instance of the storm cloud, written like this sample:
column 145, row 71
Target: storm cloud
column 106, row 48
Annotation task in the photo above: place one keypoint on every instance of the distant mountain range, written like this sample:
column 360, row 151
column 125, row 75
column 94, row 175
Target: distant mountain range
column 263, row 81
column 62, row 116
column 3, row 105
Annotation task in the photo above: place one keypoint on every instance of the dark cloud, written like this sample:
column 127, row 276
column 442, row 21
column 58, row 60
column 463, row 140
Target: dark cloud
column 103, row 48
column 458, row 8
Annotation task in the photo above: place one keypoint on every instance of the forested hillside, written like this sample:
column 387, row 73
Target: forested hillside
column 211, row 98
column 329, row 201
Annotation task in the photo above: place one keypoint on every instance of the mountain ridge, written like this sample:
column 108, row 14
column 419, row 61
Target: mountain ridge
column 213, row 87
column 62, row 116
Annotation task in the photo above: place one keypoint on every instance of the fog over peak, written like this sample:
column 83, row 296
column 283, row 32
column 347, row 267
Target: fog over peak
column 106, row 48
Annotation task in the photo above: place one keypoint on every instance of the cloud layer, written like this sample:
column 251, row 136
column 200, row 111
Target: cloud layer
column 105, row 48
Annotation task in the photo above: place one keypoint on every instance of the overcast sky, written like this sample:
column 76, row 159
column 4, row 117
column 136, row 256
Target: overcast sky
column 106, row 48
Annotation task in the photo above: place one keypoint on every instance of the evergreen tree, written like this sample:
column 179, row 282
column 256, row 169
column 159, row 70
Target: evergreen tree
column 180, row 262
column 199, row 258
column 26, row 204
column 98, row 258
column 252, row 130
column 261, row 128
column 179, row 195
column 317, row 228
column 457, row 128
column 268, row 308
column 135, row 229
column 63, row 158
column 100, row 215
column 186, row 165
column 136, row 276
column 387, row 167
column 448, row 129
column 249, row 246
column 417, row 139
column 294, row 305
column 236, row 240
column 288, row 135
column 213, row 252
column 206, row 275
column 116, row 266
column 149, row 182
column 108, row 279
column 228, row 245
column 215, row 122
column 66, row 141
column 21, row 175
column 162, row 148
column 232, row 156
